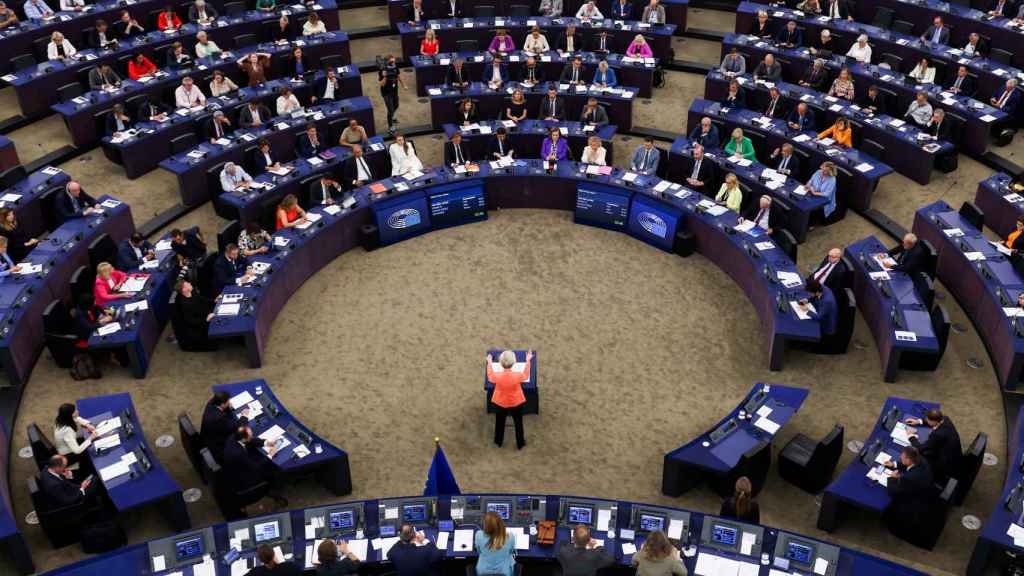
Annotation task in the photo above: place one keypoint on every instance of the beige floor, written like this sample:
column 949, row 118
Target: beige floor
column 617, row 393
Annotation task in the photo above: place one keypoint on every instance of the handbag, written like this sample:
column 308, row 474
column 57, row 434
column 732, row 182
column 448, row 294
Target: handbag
column 546, row 533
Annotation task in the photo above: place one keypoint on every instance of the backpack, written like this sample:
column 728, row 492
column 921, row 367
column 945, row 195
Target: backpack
column 83, row 367
column 659, row 77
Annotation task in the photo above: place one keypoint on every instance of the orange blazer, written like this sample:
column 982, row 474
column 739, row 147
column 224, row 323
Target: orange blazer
column 844, row 137
column 508, row 386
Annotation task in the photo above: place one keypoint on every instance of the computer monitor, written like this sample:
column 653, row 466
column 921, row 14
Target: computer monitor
column 502, row 509
column 800, row 552
column 578, row 514
column 189, row 548
column 414, row 513
column 723, row 535
column 266, row 531
column 341, row 519
column 651, row 522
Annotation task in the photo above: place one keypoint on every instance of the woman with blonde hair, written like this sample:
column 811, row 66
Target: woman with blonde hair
column 107, row 286
column 658, row 557
column 495, row 548
column 59, row 47
column 730, row 195
column 823, row 183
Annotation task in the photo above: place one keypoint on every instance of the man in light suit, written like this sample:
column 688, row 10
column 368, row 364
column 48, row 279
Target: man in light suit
column 832, row 271
column 654, row 13
column 646, row 158
column 1008, row 99
column 937, row 33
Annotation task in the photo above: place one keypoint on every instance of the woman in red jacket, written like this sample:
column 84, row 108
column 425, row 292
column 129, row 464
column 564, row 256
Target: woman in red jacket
column 168, row 20
column 140, row 66
column 508, row 397
column 107, row 287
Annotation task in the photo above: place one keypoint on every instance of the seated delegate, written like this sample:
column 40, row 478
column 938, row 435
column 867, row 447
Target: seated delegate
column 824, row 305
column 133, row 251
column 582, row 555
column 706, row 134
column 594, row 152
column 68, row 428
column 841, row 132
column 107, row 287
column 289, row 214
column 229, row 268
column 823, row 183
column 741, row 505
column 645, row 158
column 73, row 203
column 335, row 559
column 194, row 312
column 269, row 565
column 495, row 547
column 554, row 147
column 248, row 461
column 942, row 449
column 658, row 557
column 740, row 146
column 411, row 555
column 729, row 194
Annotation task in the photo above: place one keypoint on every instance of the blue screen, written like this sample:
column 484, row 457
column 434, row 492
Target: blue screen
column 266, row 531
column 456, row 204
column 341, row 520
column 502, row 509
column 580, row 514
column 650, row 522
column 798, row 552
column 653, row 222
column 402, row 217
column 723, row 535
column 386, row 530
column 189, row 548
column 602, row 206
column 414, row 513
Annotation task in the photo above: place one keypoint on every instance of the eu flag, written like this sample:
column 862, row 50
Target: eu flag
column 440, row 480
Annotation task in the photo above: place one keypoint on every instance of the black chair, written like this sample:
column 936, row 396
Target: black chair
column 968, row 467
column 102, row 249
column 809, row 464
column 754, row 464
column 903, row 27
column 483, row 11
column 213, row 179
column 39, row 48
column 932, row 259
column 924, row 531
column 466, row 46
column 59, row 333
column 333, row 61
column 23, row 61
column 839, row 341
column 925, row 289
column 12, row 176
column 928, row 362
column 230, row 501
column 42, row 447
column 759, row 142
column 228, row 234
column 805, row 164
column 243, row 40
column 82, row 280
column 335, row 128
column 1001, row 56
column 970, row 212
column 62, row 526
column 204, row 276
column 893, row 61
column 192, row 442
column 268, row 212
column 49, row 210
column 883, row 17
column 182, row 143
column 234, row 8
column 787, row 243
column 872, row 148
column 519, row 11
column 69, row 91
column 305, row 191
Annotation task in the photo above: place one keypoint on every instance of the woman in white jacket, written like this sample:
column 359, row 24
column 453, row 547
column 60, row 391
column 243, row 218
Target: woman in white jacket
column 403, row 157
column 59, row 48
column 65, row 435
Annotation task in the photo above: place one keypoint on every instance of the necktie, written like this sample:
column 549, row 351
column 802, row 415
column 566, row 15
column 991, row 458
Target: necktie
column 531, row 74
column 501, row 148
column 784, row 163
column 575, row 75
column 824, row 271
column 326, row 196
column 1002, row 99
column 366, row 168
column 999, row 7
column 217, row 126
column 458, row 154
column 956, row 84
column 696, row 169
column 552, row 106
column 647, row 158
column 936, row 34
column 602, row 43
column 760, row 215
column 74, row 203
column 771, row 107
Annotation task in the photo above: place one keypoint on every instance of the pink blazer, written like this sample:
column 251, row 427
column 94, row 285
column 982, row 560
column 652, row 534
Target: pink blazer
column 101, row 290
column 639, row 50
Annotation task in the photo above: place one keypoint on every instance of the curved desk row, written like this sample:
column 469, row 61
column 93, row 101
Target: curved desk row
column 27, row 199
column 526, row 137
column 10, row 537
column 709, row 544
column 973, row 107
column 198, row 170
column 984, row 282
column 755, row 420
column 46, row 274
column 894, row 311
column 150, row 142
column 432, row 70
column 797, row 207
column 654, row 210
column 37, row 86
column 675, row 10
column 481, row 30
column 260, row 204
column 858, row 173
column 85, row 116
column 617, row 102
column 8, row 154
column 1001, row 202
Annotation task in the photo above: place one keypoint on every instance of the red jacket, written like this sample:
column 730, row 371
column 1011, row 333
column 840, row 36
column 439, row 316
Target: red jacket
column 508, row 385
column 102, row 291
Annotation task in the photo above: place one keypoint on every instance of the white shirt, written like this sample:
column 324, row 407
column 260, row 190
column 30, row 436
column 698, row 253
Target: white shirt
column 285, row 104
column 69, row 50
column 363, row 170
column 536, row 45
column 188, row 98
column 204, row 50
column 228, row 182
column 309, row 28
column 403, row 162
column 255, row 113
column 496, row 74
column 862, row 55
column 591, row 156
column 65, row 440
column 591, row 12
column 970, row 49
column 923, row 75
column 223, row 88
column 329, row 90
column 68, row 5
column 920, row 113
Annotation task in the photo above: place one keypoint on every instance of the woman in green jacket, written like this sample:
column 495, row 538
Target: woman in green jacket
column 739, row 145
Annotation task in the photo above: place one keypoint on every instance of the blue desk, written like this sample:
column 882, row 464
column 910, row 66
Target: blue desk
column 28, row 207
column 983, row 287
column 8, row 153
column 530, row 388
column 1001, row 202
column 328, row 462
column 12, row 538
column 891, row 307
column 704, row 457
column 852, row 489
column 527, row 136
column 993, row 537
column 140, row 487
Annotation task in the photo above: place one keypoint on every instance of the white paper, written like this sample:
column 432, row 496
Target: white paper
column 904, row 336
column 767, row 425
column 604, row 516
column 359, row 548
column 133, row 306
column 628, row 548
column 706, row 565
column 749, row 569
column 820, row 566
column 107, row 442
column 463, row 540
column 116, row 469
column 159, row 563
column 442, row 540
column 240, row 400
column 310, row 531
column 272, row 434
column 108, row 425
column 228, row 310
column 675, row 529
column 987, row 118
column 386, row 544
column 108, row 328
column 747, row 543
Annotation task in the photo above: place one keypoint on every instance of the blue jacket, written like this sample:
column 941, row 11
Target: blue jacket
column 609, row 79
column 1011, row 102
column 637, row 164
column 409, row 559
column 126, row 259
column 485, row 76
column 784, row 37
column 808, row 122
column 828, row 311
column 709, row 140
column 225, row 272
column 501, row 561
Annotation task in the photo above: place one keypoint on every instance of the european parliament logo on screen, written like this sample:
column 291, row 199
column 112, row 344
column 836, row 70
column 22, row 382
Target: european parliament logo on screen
column 404, row 218
column 652, row 223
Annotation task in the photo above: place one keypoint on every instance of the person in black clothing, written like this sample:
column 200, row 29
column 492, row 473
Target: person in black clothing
column 194, row 313
column 872, row 101
column 832, row 272
column 335, row 559
column 390, row 79
column 457, row 75
column 229, row 267
column 911, row 491
column 741, row 505
column 58, row 488
column 408, row 558
column 583, row 556
column 942, row 449
column 189, row 244
column 500, row 145
column 218, row 425
column 911, row 259
column 73, row 202
column 962, row 83
column 816, row 77
column 247, row 464
column 937, row 127
column 270, row 566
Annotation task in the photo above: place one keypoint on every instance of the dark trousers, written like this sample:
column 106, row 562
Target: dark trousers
column 499, row 424
column 391, row 102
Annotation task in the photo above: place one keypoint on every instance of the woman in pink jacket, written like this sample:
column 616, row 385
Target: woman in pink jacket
column 639, row 48
column 107, row 287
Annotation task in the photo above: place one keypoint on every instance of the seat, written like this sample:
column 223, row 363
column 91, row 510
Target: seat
column 193, row 444
column 243, row 40
column 805, row 164
column 228, row 234
column 483, row 11
column 12, row 176
column 23, row 61
column 204, row 276
column 787, row 243
column 894, row 62
column 234, row 8
column 466, row 46
column 808, row 464
column 970, row 212
column 925, row 289
column 59, row 333
column 872, row 148
column 335, row 128
column 883, row 17
column 1001, row 56
column 102, row 249
column 305, row 191
column 46, row 199
column 839, row 341
column 334, row 61
column 903, row 27
column 932, row 258
column 925, row 530
column 69, row 91
column 968, row 467
column 39, row 48
column 754, row 464
column 519, row 11
column 42, row 447
column 844, row 183
column 62, row 526
column 268, row 212
column 183, row 143
column 927, row 362
column 82, row 280
column 759, row 142
column 213, row 179
column 232, row 503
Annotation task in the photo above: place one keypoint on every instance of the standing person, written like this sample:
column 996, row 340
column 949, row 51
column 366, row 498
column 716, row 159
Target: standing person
column 508, row 396
column 495, row 548
column 584, row 556
column 658, row 557
column 741, row 505
column 390, row 79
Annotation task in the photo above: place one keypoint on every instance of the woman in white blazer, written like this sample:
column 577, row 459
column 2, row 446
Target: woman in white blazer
column 66, row 435
column 403, row 157
column 59, row 48
column 594, row 153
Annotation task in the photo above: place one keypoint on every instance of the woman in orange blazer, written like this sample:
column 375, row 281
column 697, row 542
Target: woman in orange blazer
column 107, row 287
column 508, row 397
column 841, row 132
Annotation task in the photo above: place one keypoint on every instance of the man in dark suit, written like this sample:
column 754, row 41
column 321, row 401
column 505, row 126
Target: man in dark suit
column 309, row 143
column 357, row 171
column 73, row 202
column 1008, row 99
column 255, row 114
column 573, row 72
column 133, row 251
column 569, row 41
column 188, row 244
column 457, row 76
column 776, row 106
column 59, row 489
column 816, row 76
column 790, row 36
column 910, row 490
column 872, row 100
column 832, row 271
column 734, row 98
column 149, row 111
column 456, row 153
column 324, row 191
column 551, row 107
column 825, row 308
column 766, row 216
column 531, row 73
column 583, row 556
column 1002, row 8
column 246, row 464
column 415, row 14
column 909, row 255
column 802, row 118
column 218, row 127
column 937, row 33
column 937, row 127
column 218, row 424
column 103, row 76
column 229, row 267
column 500, row 145
column 101, row 37
column 822, row 45
column 706, row 134
column 269, row 566
column 942, row 449
column 602, row 42
column 700, row 173
column 785, row 162
column 962, row 83
column 593, row 113
column 263, row 158
column 837, row 9
column 410, row 556
column 768, row 69
column 328, row 88
column 451, row 9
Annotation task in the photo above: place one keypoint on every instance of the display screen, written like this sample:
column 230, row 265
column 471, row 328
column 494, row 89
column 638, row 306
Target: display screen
column 502, row 509
column 798, row 552
column 653, row 222
column 341, row 520
column 581, row 514
column 402, row 217
column 456, row 204
column 414, row 513
column 386, row 530
column 723, row 535
column 266, row 531
column 602, row 206
column 651, row 522
column 188, row 549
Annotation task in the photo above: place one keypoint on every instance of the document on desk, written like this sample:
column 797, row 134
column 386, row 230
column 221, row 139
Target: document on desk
column 108, row 328
column 749, row 569
column 463, row 540
column 747, row 542
column 240, row 567
column 767, row 425
column 271, row 434
column 442, row 540
column 706, row 564
column 239, row 400
column 386, row 544
column 159, row 563
column 1016, row 532
column 628, row 548
column 675, row 529
column 359, row 548
column 900, row 434
column 820, row 566
column 800, row 312
column 604, row 517
column 119, row 468
column 745, row 226
column 311, row 554
column 205, row 568
column 108, row 425
column 107, row 442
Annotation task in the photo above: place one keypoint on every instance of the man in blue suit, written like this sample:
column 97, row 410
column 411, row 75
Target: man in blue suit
column 410, row 557
column 802, row 118
column 706, row 134
column 310, row 143
column 790, row 36
column 825, row 307
column 646, row 158
column 245, row 463
column 937, row 33
column 1008, row 99
column 133, row 251
column 229, row 267
column 495, row 75
column 73, row 202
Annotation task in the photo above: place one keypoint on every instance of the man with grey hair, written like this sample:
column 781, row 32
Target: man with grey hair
column 920, row 110
column 1007, row 101
column 410, row 557
column 233, row 177
column 584, row 556
column 832, row 271
column 911, row 259
column 218, row 127
column 201, row 13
